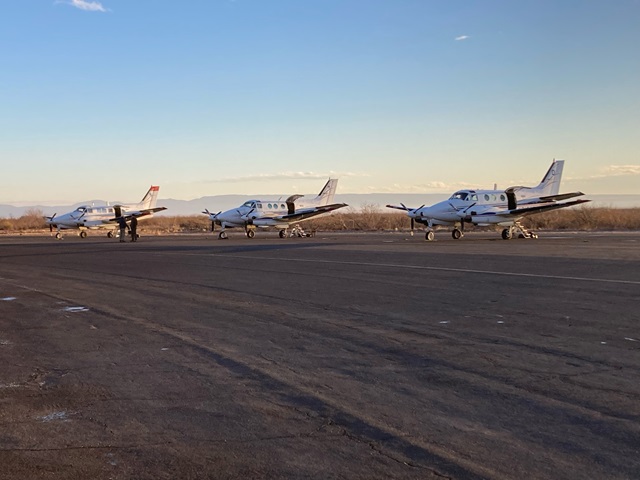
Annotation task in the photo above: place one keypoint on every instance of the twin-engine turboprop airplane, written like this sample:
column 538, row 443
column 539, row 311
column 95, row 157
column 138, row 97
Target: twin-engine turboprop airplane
column 94, row 217
column 503, row 208
column 280, row 214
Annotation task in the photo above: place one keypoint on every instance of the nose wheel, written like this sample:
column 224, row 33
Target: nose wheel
column 429, row 236
column 251, row 233
column 83, row 234
column 456, row 234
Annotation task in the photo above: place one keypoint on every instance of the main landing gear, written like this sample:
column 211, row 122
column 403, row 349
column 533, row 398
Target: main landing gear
column 83, row 234
column 517, row 228
column 222, row 235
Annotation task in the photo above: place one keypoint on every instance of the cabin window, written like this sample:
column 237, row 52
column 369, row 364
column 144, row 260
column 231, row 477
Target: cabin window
column 269, row 205
column 486, row 197
column 502, row 198
column 259, row 205
column 282, row 205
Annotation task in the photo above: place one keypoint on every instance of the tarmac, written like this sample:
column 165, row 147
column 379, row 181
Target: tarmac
column 342, row 356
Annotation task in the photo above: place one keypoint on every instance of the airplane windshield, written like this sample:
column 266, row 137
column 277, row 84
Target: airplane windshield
column 249, row 204
column 459, row 196
column 81, row 209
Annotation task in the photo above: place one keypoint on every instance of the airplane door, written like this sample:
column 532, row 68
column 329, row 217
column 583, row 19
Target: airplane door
column 511, row 200
column 118, row 211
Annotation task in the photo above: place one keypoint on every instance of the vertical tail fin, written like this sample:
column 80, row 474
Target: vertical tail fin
column 150, row 198
column 327, row 193
column 550, row 184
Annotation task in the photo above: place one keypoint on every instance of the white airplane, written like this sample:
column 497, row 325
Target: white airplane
column 95, row 217
column 503, row 208
column 280, row 214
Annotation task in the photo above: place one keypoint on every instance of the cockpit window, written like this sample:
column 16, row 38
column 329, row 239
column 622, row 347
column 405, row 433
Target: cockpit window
column 459, row 196
column 249, row 204
column 81, row 209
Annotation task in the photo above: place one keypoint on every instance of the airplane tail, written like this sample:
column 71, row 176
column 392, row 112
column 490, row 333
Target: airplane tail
column 325, row 197
column 150, row 198
column 550, row 184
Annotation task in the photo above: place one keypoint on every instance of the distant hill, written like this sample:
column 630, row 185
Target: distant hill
column 216, row 203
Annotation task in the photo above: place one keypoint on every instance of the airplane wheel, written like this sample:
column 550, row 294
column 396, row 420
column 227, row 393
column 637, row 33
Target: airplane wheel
column 110, row 234
column 251, row 233
column 506, row 234
column 222, row 235
column 58, row 236
column 282, row 233
column 83, row 234
column 456, row 234
column 429, row 236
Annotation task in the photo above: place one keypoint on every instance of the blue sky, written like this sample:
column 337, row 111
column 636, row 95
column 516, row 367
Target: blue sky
column 207, row 97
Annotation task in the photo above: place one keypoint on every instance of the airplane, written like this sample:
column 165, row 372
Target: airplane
column 502, row 208
column 280, row 214
column 95, row 217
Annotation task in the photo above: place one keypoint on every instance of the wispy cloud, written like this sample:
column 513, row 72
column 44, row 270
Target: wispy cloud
column 462, row 37
column 617, row 170
column 284, row 176
column 429, row 187
column 610, row 171
column 85, row 5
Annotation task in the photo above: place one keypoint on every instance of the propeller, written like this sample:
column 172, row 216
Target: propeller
column 214, row 218
column 412, row 215
column 50, row 221
column 245, row 217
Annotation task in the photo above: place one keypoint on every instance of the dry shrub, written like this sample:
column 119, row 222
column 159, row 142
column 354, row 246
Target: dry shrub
column 369, row 218
column 178, row 224
column 586, row 218
column 32, row 220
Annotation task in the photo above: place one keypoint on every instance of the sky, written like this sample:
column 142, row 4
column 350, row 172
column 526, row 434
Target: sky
column 100, row 99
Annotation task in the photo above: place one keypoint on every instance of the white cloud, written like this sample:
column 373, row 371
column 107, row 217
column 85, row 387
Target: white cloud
column 85, row 5
column 462, row 37
column 617, row 170
column 284, row 176
column 429, row 187
column 610, row 171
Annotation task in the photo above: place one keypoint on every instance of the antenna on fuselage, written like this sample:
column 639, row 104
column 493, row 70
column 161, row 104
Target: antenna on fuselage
column 495, row 186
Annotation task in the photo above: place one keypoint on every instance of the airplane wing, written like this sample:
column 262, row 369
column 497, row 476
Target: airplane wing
column 309, row 212
column 518, row 212
column 138, row 213
column 550, row 198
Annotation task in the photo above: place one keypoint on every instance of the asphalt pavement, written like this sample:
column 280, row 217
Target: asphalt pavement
column 363, row 356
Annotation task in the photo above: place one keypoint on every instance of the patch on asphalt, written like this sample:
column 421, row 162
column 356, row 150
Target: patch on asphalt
column 61, row 416
column 75, row 309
